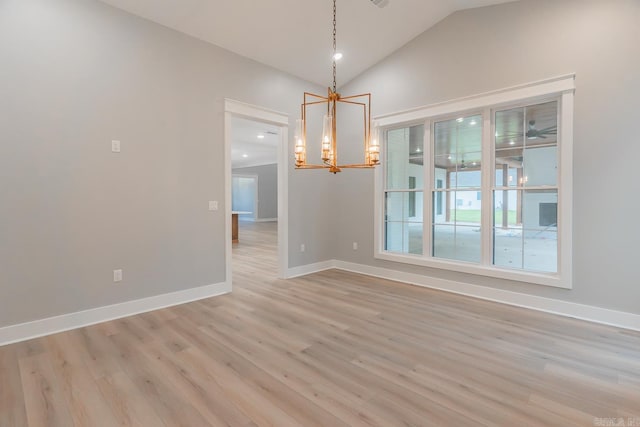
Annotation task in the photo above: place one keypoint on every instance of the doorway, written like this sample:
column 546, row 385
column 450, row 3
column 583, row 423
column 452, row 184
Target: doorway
column 257, row 121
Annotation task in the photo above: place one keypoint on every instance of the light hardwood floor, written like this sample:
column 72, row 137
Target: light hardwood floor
column 329, row 349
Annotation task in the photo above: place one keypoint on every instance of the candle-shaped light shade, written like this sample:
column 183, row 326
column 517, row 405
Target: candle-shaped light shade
column 327, row 135
column 300, row 148
column 374, row 145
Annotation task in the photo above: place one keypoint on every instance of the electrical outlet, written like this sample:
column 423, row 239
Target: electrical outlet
column 355, row 246
column 213, row 205
column 115, row 146
column 302, row 248
column 117, row 275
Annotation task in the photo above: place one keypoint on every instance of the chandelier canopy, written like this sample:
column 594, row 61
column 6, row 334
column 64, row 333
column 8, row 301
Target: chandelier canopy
column 328, row 143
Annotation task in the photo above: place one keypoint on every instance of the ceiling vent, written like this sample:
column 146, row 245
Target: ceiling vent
column 380, row 3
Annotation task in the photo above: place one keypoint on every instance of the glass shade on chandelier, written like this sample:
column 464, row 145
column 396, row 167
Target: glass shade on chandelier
column 327, row 137
column 300, row 148
column 374, row 145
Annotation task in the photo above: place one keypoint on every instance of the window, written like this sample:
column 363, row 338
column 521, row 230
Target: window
column 404, row 190
column 482, row 185
column 457, row 155
column 526, row 184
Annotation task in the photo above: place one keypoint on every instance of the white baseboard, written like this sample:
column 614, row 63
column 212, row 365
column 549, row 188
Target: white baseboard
column 303, row 270
column 266, row 220
column 589, row 313
column 65, row 322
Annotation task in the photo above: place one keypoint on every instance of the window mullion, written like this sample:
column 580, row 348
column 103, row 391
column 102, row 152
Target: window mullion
column 427, row 198
column 488, row 164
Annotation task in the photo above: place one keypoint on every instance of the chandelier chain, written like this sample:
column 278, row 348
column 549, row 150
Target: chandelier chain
column 334, row 46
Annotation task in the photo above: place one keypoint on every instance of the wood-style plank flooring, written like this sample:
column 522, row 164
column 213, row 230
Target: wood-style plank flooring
column 330, row 349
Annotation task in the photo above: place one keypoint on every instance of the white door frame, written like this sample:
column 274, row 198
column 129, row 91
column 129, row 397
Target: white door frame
column 256, row 182
column 232, row 109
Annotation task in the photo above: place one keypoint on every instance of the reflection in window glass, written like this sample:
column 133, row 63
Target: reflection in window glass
column 526, row 146
column 404, row 157
column 404, row 182
column 456, row 194
column 457, row 242
column 404, row 237
column 540, row 250
column 400, row 206
column 526, row 229
column 526, row 197
column 507, row 247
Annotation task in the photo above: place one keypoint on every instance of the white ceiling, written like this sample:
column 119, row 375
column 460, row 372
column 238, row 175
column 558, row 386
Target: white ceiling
column 295, row 35
column 245, row 142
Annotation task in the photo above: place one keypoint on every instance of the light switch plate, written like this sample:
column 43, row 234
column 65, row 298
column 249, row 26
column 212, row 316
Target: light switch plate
column 115, row 146
column 213, row 205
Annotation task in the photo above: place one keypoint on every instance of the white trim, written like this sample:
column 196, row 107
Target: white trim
column 428, row 184
column 283, row 202
column 66, row 322
column 266, row 220
column 303, row 270
column 254, row 112
column 228, row 248
column 378, row 199
column 471, row 268
column 255, row 165
column 527, row 91
column 562, row 88
column 568, row 309
column 619, row 319
column 565, row 190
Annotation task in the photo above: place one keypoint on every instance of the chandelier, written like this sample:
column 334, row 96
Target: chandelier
column 328, row 143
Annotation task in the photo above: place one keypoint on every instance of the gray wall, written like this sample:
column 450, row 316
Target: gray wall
column 76, row 74
column 490, row 48
column 244, row 195
column 267, row 189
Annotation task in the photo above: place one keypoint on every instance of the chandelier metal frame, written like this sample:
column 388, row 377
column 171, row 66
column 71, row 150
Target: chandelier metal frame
column 329, row 146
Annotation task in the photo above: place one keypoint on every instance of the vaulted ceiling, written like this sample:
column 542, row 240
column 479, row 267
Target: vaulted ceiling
column 295, row 35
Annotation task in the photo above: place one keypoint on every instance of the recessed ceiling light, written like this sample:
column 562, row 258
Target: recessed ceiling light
column 460, row 119
column 261, row 136
column 337, row 56
column 497, row 135
column 512, row 143
column 448, row 157
column 473, row 123
column 418, row 150
column 474, row 163
column 245, row 155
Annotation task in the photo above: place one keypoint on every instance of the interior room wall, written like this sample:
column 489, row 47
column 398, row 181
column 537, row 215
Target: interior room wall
column 491, row 48
column 77, row 74
column 244, row 195
column 267, row 189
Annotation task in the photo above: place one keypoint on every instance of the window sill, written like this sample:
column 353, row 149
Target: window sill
column 546, row 279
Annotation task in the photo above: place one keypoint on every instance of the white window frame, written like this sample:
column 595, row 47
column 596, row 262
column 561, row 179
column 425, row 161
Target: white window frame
column 561, row 88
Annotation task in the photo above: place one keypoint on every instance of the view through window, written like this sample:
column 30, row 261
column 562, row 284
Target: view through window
column 448, row 164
